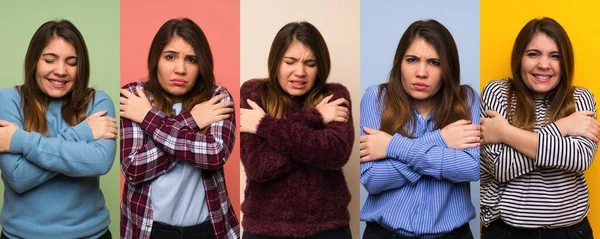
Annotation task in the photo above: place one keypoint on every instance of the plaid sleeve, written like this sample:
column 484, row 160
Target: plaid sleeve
column 181, row 137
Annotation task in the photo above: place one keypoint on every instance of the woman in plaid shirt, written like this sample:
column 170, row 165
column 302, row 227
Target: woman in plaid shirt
column 177, row 131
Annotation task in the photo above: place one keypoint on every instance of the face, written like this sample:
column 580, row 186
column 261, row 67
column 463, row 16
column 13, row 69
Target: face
column 421, row 71
column 177, row 68
column 56, row 69
column 297, row 70
column 540, row 66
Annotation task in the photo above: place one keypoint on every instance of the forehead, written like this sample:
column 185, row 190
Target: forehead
column 298, row 50
column 421, row 48
column 59, row 46
column 542, row 41
column 178, row 44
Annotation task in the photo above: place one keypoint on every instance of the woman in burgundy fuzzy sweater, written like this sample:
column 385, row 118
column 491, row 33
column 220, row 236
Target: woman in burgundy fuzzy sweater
column 297, row 134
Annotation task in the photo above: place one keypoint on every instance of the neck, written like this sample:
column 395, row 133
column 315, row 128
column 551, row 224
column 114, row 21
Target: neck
column 424, row 107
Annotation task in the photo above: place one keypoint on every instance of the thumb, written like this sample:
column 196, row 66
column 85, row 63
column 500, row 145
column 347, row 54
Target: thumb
column 491, row 113
column 369, row 130
column 588, row 113
column 99, row 113
column 4, row 123
column 140, row 92
column 253, row 104
column 326, row 99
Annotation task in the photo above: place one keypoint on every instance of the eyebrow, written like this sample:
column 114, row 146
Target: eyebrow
column 432, row 58
column 56, row 56
column 294, row 58
column 176, row 53
column 536, row 50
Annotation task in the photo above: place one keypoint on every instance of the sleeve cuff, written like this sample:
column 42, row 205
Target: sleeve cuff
column 263, row 129
column 149, row 124
column 399, row 148
column 18, row 141
column 84, row 130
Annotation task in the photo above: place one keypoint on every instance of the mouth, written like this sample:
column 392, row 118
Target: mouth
column 420, row 86
column 56, row 83
column 178, row 81
column 542, row 77
column 298, row 84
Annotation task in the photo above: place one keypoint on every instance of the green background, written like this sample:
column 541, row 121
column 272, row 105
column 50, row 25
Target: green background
column 98, row 22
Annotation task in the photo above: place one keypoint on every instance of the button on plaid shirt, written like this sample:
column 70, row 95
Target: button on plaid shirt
column 151, row 149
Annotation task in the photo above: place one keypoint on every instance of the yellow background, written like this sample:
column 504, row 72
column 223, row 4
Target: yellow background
column 501, row 21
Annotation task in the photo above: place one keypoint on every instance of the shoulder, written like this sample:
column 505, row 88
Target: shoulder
column 584, row 99
column 222, row 90
column 497, row 85
column 11, row 94
column 131, row 86
column 252, row 89
column 101, row 96
column 339, row 90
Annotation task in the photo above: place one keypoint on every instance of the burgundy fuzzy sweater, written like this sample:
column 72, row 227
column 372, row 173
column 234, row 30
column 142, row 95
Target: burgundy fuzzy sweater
column 295, row 185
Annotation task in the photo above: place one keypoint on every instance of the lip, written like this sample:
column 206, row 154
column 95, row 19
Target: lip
column 543, row 78
column 298, row 84
column 53, row 84
column 420, row 86
column 178, row 81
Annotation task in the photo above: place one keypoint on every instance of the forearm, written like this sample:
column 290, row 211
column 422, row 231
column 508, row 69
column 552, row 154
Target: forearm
column 525, row 142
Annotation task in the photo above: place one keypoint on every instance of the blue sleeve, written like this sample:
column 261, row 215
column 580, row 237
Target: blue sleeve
column 20, row 174
column 429, row 155
column 74, row 159
column 385, row 174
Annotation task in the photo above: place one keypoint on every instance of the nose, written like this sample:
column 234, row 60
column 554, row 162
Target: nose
column 61, row 70
column 300, row 71
column 180, row 68
column 421, row 71
column 544, row 63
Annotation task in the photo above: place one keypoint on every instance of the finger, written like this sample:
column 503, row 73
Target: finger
column 366, row 158
column 4, row 123
column 217, row 98
column 126, row 93
column 123, row 100
column 99, row 113
column 369, row 130
column 253, row 105
column 224, row 104
column 340, row 101
column 340, row 119
column 363, row 138
column 140, row 92
column 587, row 113
column 363, row 153
column 481, row 121
column 226, row 111
column 343, row 109
column 362, row 145
column 460, row 122
column 468, row 145
column 341, row 114
column 491, row 113
column 326, row 99
column 592, row 137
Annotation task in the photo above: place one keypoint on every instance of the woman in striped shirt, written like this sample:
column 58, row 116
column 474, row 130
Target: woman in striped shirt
column 420, row 145
column 535, row 151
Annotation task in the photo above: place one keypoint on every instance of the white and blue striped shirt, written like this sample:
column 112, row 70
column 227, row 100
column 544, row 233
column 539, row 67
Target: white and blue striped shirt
column 422, row 188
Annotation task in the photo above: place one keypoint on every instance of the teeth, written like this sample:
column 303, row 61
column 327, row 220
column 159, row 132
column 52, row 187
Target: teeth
column 298, row 83
column 58, row 82
column 542, row 77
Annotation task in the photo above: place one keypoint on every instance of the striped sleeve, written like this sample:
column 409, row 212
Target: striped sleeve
column 381, row 175
column 572, row 153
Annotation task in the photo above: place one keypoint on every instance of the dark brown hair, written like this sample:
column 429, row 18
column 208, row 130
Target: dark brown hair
column 205, row 82
column 274, row 99
column 449, row 103
column 35, row 102
column 561, row 101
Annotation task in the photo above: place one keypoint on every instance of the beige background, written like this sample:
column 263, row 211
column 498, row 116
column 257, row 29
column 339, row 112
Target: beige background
column 339, row 23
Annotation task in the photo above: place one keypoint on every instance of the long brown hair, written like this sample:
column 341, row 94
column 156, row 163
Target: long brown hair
column 274, row 99
column 205, row 82
column 35, row 102
column 449, row 103
column 521, row 113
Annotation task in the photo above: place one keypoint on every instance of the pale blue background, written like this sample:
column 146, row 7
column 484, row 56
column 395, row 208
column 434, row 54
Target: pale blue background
column 382, row 23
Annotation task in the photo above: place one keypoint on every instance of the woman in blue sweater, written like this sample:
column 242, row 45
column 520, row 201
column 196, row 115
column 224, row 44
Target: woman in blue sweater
column 420, row 145
column 57, row 136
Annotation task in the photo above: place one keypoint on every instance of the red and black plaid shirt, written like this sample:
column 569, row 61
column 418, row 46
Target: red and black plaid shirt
column 151, row 149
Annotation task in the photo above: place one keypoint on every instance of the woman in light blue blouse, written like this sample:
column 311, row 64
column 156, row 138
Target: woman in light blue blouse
column 57, row 136
column 420, row 142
